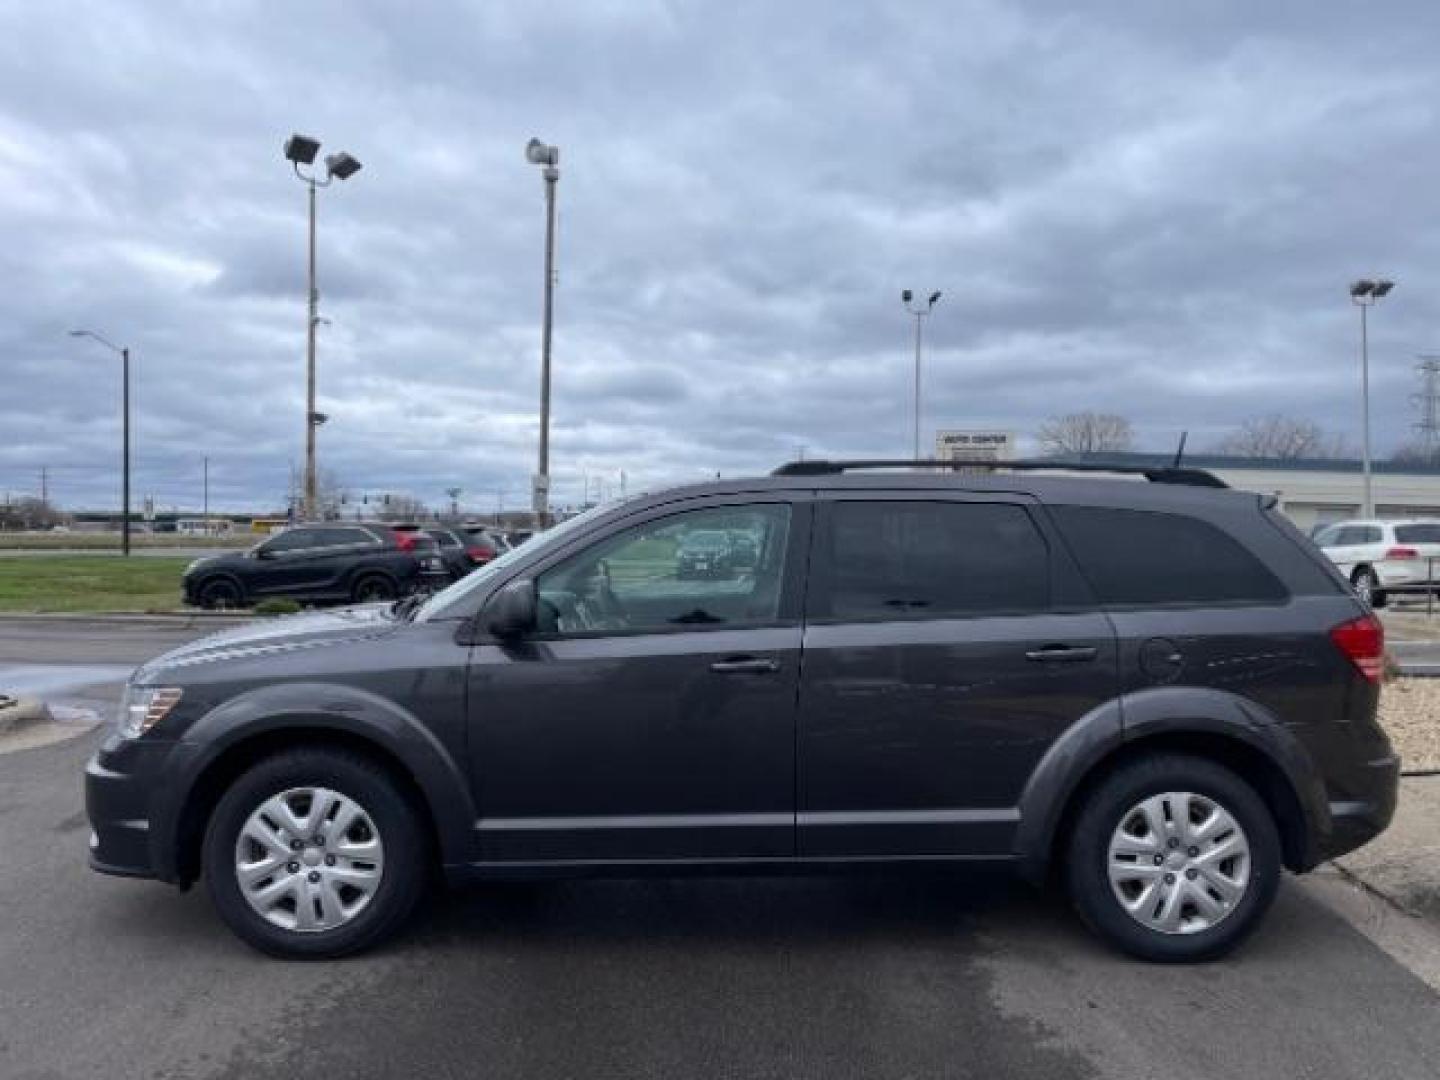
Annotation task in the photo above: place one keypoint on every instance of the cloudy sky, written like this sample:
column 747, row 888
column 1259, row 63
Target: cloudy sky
column 1147, row 208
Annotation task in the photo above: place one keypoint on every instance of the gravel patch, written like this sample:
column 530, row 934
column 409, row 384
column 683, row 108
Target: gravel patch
column 1410, row 714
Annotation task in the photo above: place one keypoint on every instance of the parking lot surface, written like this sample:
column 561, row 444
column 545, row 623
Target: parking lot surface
column 956, row 975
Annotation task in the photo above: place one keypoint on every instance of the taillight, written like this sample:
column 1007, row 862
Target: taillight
column 479, row 554
column 404, row 541
column 1363, row 641
column 1402, row 553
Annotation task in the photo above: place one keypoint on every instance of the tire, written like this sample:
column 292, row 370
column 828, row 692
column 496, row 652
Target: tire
column 1367, row 588
column 390, row 860
column 1192, row 932
column 372, row 588
column 220, row 593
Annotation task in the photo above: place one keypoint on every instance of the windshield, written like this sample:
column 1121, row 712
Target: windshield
column 452, row 602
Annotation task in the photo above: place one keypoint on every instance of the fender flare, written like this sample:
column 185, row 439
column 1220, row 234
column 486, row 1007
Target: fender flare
column 1184, row 710
column 441, row 780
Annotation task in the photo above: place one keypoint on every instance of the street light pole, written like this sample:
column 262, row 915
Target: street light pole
column 1365, row 294
column 301, row 150
column 539, row 153
column 124, row 354
column 919, row 313
column 312, row 315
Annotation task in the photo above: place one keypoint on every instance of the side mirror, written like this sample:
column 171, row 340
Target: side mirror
column 263, row 553
column 512, row 612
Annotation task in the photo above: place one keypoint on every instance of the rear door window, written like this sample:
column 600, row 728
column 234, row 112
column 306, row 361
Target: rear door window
column 891, row 559
column 342, row 537
column 292, row 540
column 1146, row 558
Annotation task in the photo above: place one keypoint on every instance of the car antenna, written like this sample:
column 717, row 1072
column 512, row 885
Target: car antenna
column 1180, row 450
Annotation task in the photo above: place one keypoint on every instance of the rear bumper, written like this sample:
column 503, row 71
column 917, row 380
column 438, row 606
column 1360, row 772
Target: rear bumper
column 1407, row 574
column 1368, row 809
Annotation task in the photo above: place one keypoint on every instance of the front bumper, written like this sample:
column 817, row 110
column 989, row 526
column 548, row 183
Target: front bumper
column 122, row 782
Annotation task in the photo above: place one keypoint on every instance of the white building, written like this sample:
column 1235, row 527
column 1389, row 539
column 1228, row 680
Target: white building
column 1310, row 492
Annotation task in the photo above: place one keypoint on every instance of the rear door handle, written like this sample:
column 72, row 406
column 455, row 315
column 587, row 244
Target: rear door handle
column 1063, row 654
column 746, row 665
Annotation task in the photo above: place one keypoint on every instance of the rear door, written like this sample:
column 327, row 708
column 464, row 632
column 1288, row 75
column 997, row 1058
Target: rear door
column 948, row 642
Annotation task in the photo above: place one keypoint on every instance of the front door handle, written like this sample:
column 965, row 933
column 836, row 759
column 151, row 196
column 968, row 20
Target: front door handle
column 746, row 665
column 1063, row 654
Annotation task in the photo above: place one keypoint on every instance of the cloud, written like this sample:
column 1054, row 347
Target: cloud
column 1152, row 209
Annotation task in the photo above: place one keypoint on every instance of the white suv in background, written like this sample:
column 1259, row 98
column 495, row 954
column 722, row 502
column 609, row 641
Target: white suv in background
column 1381, row 557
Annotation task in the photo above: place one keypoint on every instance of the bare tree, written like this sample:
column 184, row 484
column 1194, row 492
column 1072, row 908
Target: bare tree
column 1417, row 453
column 1084, row 433
column 1285, row 438
column 395, row 507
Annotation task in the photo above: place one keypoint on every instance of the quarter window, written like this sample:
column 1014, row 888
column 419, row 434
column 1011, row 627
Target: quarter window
column 722, row 566
column 1417, row 534
column 1142, row 558
column 908, row 559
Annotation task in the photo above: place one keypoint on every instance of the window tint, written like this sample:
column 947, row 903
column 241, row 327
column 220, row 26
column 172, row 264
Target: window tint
column 1329, row 536
column 1138, row 557
column 897, row 559
column 333, row 537
column 292, row 540
column 444, row 537
column 677, row 572
column 1418, row 534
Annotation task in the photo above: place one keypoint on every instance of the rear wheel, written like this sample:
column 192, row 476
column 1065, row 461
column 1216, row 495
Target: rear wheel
column 373, row 588
column 1367, row 588
column 314, row 853
column 1174, row 858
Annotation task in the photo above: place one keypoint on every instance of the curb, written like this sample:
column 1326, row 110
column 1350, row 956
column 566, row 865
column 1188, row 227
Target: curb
column 178, row 619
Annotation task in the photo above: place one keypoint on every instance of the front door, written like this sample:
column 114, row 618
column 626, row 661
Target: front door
column 653, row 714
column 947, row 645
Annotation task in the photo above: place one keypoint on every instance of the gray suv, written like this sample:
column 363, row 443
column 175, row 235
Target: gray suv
column 1158, row 694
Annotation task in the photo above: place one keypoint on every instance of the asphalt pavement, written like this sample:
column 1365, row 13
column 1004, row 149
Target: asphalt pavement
column 954, row 975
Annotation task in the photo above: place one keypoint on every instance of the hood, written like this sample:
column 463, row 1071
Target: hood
column 288, row 633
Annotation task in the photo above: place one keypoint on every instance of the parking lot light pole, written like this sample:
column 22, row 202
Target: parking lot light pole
column 1364, row 294
column 907, row 297
column 301, row 150
column 548, row 157
column 124, row 353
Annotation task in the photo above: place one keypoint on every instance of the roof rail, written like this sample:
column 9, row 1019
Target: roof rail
column 1156, row 475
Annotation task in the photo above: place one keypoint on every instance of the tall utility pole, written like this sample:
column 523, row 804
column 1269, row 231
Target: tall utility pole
column 205, row 498
column 45, row 486
column 548, row 157
column 1365, row 294
column 124, row 353
column 1429, row 401
column 301, row 150
column 919, row 313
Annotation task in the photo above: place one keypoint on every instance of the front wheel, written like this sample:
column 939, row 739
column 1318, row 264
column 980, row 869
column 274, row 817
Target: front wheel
column 220, row 594
column 1174, row 858
column 314, row 853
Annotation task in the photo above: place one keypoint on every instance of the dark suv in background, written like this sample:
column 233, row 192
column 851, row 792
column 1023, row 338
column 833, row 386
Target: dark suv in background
column 1158, row 694
column 332, row 561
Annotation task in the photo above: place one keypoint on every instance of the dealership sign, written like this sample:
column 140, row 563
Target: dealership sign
column 975, row 445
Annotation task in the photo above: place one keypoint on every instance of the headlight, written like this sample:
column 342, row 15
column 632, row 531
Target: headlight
column 143, row 707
